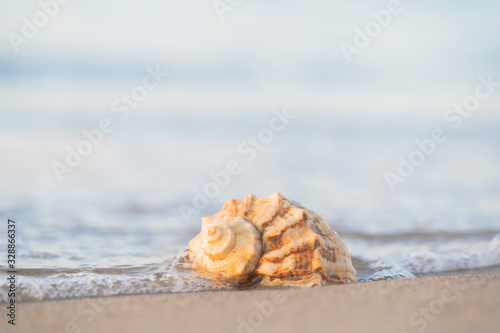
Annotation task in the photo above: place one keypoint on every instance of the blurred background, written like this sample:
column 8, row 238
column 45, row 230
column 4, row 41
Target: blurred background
column 352, row 121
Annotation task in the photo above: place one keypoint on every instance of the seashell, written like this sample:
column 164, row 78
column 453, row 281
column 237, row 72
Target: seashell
column 271, row 241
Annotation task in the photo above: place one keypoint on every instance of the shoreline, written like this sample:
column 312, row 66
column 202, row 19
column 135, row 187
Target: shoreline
column 458, row 303
column 480, row 271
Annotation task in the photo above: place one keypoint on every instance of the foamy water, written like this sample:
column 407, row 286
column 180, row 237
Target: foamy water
column 175, row 275
column 113, row 227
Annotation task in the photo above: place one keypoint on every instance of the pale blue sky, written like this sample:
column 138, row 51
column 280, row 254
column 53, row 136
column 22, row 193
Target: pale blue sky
column 261, row 56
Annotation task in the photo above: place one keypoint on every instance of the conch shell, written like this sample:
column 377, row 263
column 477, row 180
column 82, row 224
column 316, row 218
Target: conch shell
column 272, row 241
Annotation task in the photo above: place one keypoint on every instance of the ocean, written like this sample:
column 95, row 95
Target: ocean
column 116, row 224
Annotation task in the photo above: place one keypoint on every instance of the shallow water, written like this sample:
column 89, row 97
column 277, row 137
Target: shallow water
column 113, row 226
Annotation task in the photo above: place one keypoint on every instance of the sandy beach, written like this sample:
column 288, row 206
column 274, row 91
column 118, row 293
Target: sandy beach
column 452, row 303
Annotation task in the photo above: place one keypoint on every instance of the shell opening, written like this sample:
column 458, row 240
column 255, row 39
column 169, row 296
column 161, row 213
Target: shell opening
column 220, row 240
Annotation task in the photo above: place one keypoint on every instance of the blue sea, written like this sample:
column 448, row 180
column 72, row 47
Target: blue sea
column 106, row 191
column 115, row 224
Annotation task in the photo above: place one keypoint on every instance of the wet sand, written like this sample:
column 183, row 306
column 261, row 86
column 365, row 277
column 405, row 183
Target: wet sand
column 454, row 303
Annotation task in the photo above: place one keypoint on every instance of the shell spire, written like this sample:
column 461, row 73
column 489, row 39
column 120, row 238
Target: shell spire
column 283, row 243
column 227, row 246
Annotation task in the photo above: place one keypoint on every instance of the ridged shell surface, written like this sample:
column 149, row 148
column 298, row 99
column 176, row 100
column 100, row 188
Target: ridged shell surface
column 286, row 245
